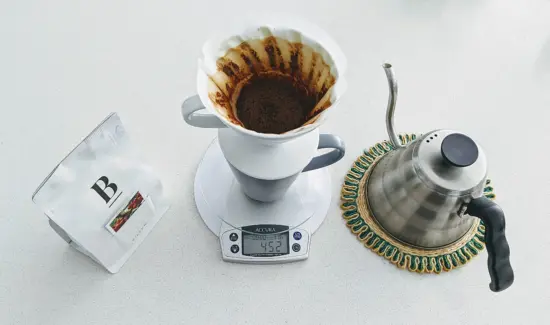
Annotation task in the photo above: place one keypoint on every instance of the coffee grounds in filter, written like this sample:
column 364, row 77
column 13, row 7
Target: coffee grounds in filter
column 274, row 103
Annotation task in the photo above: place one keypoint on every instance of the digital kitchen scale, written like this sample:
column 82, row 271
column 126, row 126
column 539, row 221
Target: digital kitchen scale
column 257, row 232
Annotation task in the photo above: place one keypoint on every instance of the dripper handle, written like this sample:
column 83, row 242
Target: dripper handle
column 500, row 270
column 189, row 110
column 392, row 99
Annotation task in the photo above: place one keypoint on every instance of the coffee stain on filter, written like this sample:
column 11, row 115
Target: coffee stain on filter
column 270, row 54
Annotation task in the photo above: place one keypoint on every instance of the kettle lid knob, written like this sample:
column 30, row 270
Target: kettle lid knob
column 459, row 150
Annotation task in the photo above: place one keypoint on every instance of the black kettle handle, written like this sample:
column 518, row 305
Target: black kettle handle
column 500, row 270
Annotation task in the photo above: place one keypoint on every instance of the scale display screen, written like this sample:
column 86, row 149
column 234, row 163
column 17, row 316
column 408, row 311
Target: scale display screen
column 265, row 240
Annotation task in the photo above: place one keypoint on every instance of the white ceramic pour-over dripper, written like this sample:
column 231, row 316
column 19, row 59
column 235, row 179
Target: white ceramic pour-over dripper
column 267, row 164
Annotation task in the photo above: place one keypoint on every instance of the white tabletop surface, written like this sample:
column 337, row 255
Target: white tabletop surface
column 482, row 67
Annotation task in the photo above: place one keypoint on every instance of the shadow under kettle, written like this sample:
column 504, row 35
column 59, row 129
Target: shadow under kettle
column 426, row 193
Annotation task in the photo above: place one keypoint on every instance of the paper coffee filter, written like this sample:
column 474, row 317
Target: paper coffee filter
column 264, row 44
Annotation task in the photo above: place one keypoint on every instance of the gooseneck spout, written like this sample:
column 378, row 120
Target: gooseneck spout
column 392, row 83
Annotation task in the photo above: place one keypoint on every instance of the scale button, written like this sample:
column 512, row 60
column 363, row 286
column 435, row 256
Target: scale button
column 296, row 247
column 234, row 249
column 297, row 235
column 233, row 237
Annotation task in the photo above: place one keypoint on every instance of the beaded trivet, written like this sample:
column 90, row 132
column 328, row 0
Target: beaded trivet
column 360, row 221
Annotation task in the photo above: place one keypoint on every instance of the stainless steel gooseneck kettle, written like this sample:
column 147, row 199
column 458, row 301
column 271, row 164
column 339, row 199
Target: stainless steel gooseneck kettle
column 426, row 193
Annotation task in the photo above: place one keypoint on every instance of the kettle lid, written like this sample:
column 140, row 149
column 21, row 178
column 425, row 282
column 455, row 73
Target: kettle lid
column 450, row 162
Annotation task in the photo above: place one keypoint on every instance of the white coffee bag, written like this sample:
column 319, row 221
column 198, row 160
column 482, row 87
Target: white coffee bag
column 102, row 198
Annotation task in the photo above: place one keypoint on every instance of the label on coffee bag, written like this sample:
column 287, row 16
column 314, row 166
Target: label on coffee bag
column 116, row 223
column 102, row 196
